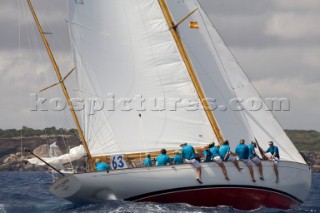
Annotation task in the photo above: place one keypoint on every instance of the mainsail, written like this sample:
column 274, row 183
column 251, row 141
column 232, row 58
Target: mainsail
column 223, row 79
column 126, row 52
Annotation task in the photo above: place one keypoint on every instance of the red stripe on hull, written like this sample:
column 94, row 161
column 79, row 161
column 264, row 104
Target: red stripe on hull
column 239, row 198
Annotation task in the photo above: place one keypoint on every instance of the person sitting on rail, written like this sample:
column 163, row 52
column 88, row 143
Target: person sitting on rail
column 102, row 166
column 216, row 157
column 255, row 159
column 188, row 154
column 275, row 158
column 207, row 154
column 227, row 155
column 242, row 150
column 163, row 159
column 177, row 158
column 147, row 161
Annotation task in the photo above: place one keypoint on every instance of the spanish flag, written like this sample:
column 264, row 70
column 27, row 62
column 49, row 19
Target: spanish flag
column 194, row 25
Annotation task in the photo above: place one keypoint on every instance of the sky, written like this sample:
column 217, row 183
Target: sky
column 277, row 43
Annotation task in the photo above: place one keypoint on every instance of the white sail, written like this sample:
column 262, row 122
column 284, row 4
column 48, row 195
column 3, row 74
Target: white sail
column 127, row 50
column 53, row 149
column 75, row 153
column 223, row 79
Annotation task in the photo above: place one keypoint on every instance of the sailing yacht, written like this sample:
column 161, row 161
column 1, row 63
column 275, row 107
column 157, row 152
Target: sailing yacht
column 132, row 54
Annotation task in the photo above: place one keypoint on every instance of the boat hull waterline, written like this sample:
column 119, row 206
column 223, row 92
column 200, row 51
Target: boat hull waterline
column 177, row 184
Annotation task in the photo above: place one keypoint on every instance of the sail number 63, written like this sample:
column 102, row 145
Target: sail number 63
column 118, row 162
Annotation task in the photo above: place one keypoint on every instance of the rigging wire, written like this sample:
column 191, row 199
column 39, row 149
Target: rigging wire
column 224, row 69
column 215, row 86
column 51, row 95
column 85, row 81
column 99, row 120
column 29, row 23
column 141, row 136
column 34, row 46
column 20, row 79
column 59, row 91
column 254, row 89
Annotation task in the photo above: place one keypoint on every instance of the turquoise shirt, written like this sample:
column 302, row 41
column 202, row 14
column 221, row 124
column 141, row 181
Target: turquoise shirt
column 188, row 152
column 178, row 159
column 224, row 149
column 242, row 150
column 162, row 160
column 215, row 151
column 252, row 152
column 147, row 162
column 101, row 166
column 208, row 155
column 272, row 150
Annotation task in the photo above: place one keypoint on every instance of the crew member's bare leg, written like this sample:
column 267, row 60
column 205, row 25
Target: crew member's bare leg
column 237, row 165
column 199, row 175
column 223, row 168
column 251, row 173
column 260, row 171
column 275, row 166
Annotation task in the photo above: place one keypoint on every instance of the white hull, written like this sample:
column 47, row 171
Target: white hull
column 157, row 183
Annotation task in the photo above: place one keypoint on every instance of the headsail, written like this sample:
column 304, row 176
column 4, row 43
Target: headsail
column 223, row 79
column 75, row 153
column 127, row 50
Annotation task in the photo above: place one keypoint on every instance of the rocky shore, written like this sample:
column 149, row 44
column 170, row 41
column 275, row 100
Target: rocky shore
column 11, row 158
column 313, row 158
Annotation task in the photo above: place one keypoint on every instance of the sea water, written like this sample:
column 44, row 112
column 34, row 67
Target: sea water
column 27, row 192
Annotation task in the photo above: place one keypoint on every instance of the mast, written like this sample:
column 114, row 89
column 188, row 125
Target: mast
column 187, row 61
column 61, row 81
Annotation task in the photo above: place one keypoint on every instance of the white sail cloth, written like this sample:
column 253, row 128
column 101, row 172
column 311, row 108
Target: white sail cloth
column 75, row 153
column 123, row 49
column 223, row 79
column 53, row 149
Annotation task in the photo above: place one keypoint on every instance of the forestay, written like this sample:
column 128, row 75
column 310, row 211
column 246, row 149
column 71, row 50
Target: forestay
column 123, row 49
column 223, row 79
